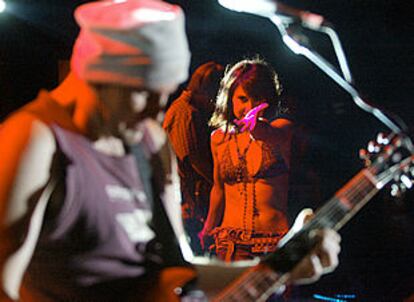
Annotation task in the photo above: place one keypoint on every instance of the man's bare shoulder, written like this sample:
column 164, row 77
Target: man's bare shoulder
column 27, row 146
column 282, row 123
column 22, row 127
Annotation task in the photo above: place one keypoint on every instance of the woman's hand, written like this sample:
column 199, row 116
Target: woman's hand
column 205, row 239
column 249, row 121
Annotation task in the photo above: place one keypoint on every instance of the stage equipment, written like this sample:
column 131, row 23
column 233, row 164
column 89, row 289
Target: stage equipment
column 290, row 22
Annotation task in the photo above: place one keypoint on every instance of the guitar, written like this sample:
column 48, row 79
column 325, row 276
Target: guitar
column 390, row 160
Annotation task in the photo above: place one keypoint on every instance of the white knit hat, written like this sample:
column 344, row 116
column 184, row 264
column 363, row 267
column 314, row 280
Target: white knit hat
column 138, row 43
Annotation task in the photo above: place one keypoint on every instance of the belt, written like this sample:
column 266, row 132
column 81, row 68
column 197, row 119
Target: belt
column 257, row 242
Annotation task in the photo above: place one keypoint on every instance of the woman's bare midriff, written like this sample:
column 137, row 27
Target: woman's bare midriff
column 270, row 201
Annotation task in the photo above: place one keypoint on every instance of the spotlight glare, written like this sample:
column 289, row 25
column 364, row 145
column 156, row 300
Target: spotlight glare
column 265, row 8
column 2, row 6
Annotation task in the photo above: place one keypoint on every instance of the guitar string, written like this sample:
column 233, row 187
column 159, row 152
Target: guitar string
column 268, row 278
column 250, row 277
column 234, row 290
column 255, row 277
column 331, row 208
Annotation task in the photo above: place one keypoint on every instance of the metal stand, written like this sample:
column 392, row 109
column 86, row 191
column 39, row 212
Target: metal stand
column 345, row 80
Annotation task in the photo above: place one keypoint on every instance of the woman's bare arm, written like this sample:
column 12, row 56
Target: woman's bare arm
column 216, row 209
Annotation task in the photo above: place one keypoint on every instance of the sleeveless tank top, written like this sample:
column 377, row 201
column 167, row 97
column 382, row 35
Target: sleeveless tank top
column 101, row 232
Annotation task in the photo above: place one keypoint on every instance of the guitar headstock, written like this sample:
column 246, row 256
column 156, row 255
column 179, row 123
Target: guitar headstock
column 391, row 157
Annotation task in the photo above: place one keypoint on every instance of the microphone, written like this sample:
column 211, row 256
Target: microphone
column 294, row 15
column 270, row 8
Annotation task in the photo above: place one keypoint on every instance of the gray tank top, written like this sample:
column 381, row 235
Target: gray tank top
column 101, row 232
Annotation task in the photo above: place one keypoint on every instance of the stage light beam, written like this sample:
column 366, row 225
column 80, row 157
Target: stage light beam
column 3, row 6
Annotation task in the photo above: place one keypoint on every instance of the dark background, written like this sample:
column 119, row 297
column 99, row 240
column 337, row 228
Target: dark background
column 377, row 35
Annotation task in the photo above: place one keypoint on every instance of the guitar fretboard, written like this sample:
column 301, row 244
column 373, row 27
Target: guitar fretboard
column 346, row 202
column 256, row 284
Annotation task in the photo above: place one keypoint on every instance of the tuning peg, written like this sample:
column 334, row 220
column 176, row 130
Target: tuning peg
column 406, row 181
column 398, row 141
column 407, row 170
column 373, row 147
column 395, row 190
column 363, row 154
column 401, row 185
column 366, row 157
column 398, row 190
column 396, row 157
column 372, row 150
column 382, row 139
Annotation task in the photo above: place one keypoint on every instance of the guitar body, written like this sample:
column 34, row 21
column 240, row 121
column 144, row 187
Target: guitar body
column 170, row 281
column 212, row 280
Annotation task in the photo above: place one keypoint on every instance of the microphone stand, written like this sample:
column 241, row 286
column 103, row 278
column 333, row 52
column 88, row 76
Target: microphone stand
column 344, row 81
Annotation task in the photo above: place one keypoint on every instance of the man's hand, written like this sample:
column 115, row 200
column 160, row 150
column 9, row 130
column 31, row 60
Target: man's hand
column 249, row 121
column 322, row 260
column 324, row 257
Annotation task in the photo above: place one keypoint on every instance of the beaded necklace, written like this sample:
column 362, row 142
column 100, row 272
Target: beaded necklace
column 243, row 178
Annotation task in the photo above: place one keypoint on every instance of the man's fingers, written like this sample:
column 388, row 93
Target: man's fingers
column 304, row 216
column 308, row 216
column 329, row 249
column 323, row 258
column 307, row 271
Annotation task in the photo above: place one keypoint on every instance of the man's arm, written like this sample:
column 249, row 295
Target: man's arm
column 199, row 155
column 27, row 147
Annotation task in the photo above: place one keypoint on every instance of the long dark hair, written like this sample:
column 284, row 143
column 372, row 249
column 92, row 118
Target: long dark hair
column 206, row 79
column 258, row 79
